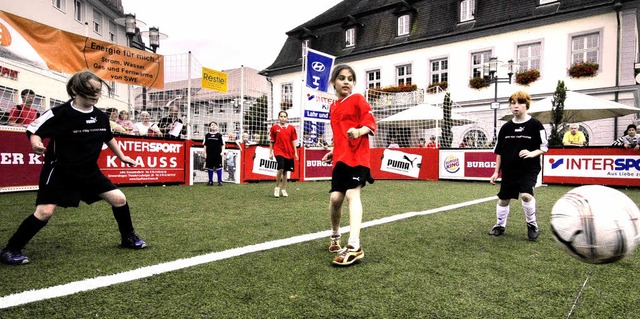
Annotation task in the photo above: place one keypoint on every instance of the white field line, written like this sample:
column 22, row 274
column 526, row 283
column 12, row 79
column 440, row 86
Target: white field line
column 148, row 271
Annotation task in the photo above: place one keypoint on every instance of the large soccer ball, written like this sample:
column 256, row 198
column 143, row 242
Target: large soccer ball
column 596, row 224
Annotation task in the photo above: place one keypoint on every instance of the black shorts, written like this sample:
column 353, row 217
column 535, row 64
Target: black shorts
column 67, row 187
column 214, row 161
column 284, row 163
column 344, row 177
column 515, row 183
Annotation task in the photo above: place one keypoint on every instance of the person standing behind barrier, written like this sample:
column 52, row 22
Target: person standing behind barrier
column 171, row 126
column 574, row 137
column 213, row 151
column 352, row 122
column 77, row 130
column 112, row 113
column 126, row 123
column 282, row 146
column 145, row 127
column 24, row 114
column 432, row 142
column 630, row 140
column 521, row 141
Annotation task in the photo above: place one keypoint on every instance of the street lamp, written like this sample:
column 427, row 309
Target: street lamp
column 490, row 74
column 134, row 37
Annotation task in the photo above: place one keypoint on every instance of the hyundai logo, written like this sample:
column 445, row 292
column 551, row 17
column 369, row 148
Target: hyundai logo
column 317, row 66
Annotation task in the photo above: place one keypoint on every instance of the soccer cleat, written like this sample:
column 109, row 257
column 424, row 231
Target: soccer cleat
column 497, row 230
column 284, row 193
column 532, row 231
column 133, row 241
column 210, row 184
column 348, row 256
column 219, row 183
column 13, row 258
column 276, row 192
column 334, row 244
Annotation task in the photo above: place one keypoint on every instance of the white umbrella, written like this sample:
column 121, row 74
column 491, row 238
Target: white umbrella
column 578, row 107
column 426, row 116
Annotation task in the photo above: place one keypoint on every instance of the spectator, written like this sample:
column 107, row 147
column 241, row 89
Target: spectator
column 631, row 139
column 126, row 123
column 77, row 131
column 112, row 112
column 256, row 138
column 393, row 144
column 422, row 143
column 23, row 114
column 619, row 142
column 171, row 126
column 322, row 143
column 307, row 141
column 432, row 142
column 145, row 127
column 574, row 137
column 231, row 166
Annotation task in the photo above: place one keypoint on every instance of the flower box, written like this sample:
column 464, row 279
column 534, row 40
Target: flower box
column 478, row 83
column 527, row 77
column 583, row 69
column 398, row 88
column 433, row 87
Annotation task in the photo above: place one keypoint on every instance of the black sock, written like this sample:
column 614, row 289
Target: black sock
column 123, row 217
column 29, row 228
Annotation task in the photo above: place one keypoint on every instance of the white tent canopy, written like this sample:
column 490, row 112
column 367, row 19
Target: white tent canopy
column 578, row 107
column 425, row 116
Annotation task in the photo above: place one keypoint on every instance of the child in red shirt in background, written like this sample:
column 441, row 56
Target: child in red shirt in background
column 23, row 115
column 282, row 138
column 352, row 122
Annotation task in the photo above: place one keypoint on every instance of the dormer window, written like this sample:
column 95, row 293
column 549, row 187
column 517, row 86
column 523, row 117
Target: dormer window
column 404, row 24
column 467, row 10
column 350, row 37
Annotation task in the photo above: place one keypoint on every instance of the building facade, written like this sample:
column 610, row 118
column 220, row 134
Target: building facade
column 427, row 43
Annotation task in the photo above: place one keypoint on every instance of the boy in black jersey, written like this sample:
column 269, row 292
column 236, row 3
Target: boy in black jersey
column 77, row 131
column 520, row 143
column 213, row 150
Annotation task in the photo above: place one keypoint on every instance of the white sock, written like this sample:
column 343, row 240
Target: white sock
column 529, row 209
column 355, row 242
column 502, row 213
column 335, row 234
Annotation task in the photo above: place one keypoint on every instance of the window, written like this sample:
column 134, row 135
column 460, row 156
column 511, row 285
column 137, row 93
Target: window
column 439, row 70
column 404, row 23
column 59, row 4
column 286, row 96
column 403, row 75
column 585, row 48
column 77, row 11
column 350, row 37
column 373, row 79
column 53, row 103
column 113, row 32
column 529, row 57
column 97, row 22
column 222, row 126
column 6, row 98
column 467, row 10
column 478, row 60
column 547, row 1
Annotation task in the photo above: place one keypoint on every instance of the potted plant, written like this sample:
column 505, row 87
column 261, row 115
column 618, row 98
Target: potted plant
column 432, row 88
column 527, row 77
column 583, row 69
column 478, row 82
column 400, row 88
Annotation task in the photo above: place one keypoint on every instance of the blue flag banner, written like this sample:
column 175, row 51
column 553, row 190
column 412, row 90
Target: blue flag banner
column 318, row 70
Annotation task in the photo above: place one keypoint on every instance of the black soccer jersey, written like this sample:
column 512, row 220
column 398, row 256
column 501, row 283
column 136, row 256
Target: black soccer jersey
column 514, row 137
column 214, row 143
column 76, row 137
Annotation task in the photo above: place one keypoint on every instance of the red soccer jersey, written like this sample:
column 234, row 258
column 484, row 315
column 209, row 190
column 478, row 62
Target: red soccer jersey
column 24, row 115
column 282, row 138
column 352, row 111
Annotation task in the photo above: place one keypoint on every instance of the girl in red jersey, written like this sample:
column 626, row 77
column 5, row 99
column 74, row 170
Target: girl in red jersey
column 282, row 138
column 352, row 122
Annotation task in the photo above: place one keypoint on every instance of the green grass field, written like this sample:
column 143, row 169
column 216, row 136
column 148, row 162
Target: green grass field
column 440, row 265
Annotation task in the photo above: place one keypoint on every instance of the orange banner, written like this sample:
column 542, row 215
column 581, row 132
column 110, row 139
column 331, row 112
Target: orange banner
column 50, row 48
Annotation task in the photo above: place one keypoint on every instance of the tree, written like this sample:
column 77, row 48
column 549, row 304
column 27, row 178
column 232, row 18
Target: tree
column 447, row 135
column 557, row 114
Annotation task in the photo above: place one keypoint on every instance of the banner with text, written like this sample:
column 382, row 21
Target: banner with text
column 262, row 164
column 318, row 70
column 401, row 163
column 214, row 80
column 49, row 48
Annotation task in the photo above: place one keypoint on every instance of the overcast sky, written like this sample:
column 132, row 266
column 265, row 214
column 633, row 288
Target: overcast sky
column 226, row 34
